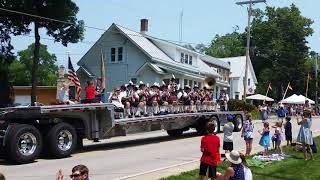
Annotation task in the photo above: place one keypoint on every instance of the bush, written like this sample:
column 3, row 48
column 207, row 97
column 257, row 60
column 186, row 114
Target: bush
column 238, row 105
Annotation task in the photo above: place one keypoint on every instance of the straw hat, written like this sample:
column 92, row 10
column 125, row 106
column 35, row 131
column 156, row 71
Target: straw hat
column 234, row 157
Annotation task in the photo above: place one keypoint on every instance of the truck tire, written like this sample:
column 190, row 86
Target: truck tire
column 175, row 132
column 61, row 140
column 24, row 144
column 216, row 122
column 238, row 123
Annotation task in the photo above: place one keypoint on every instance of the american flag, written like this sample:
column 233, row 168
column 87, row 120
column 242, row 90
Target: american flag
column 72, row 76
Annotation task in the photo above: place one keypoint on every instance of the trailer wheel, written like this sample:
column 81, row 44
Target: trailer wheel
column 62, row 140
column 238, row 123
column 175, row 132
column 216, row 122
column 24, row 143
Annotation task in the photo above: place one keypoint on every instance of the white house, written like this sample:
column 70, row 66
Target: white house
column 238, row 65
column 136, row 56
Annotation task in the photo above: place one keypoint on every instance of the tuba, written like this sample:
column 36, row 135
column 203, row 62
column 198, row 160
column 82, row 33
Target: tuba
column 209, row 83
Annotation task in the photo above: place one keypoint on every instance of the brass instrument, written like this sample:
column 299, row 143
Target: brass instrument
column 209, row 83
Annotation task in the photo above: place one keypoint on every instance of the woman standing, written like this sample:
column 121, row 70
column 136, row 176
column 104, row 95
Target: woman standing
column 305, row 136
column 247, row 133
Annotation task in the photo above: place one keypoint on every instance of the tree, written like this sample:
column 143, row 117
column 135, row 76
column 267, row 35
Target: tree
column 21, row 69
column 6, row 57
column 279, row 47
column 62, row 10
column 229, row 45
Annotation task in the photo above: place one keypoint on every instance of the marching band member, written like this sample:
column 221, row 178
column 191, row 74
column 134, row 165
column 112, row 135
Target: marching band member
column 143, row 97
column 154, row 97
column 128, row 99
column 173, row 90
column 164, row 98
column 115, row 98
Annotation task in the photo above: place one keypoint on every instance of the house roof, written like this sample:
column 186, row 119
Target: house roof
column 216, row 61
column 238, row 65
column 144, row 43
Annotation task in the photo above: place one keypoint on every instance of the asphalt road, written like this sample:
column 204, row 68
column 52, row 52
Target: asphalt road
column 126, row 156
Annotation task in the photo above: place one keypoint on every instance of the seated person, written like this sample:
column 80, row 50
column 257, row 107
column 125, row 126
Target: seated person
column 63, row 94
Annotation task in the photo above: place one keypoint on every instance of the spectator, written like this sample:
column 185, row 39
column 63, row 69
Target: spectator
column 305, row 136
column 288, row 131
column 246, row 169
column 281, row 112
column 277, row 138
column 247, row 133
column 227, row 138
column 79, row 172
column 210, row 145
column 235, row 171
column 265, row 138
column 2, row 177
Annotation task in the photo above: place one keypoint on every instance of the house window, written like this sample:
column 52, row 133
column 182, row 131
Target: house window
column 195, row 83
column 182, row 58
column 199, row 84
column 185, row 82
column 190, row 83
column 120, row 52
column 113, row 54
column 249, row 82
column 186, row 58
column 190, row 60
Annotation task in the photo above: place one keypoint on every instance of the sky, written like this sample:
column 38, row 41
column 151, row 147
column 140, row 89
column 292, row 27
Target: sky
column 202, row 20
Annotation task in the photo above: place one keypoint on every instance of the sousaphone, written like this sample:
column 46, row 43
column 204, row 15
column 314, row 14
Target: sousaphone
column 209, row 83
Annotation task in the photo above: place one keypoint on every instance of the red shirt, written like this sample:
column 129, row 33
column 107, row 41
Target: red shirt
column 90, row 92
column 210, row 144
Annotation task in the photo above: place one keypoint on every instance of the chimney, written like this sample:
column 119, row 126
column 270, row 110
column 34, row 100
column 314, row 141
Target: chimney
column 144, row 26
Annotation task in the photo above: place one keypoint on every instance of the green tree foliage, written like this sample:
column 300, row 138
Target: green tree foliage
column 62, row 10
column 6, row 57
column 280, row 49
column 20, row 70
column 229, row 45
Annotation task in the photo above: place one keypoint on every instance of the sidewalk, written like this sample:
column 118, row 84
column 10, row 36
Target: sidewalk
column 191, row 165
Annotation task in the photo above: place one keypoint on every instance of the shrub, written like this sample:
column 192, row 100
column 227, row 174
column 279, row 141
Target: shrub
column 238, row 105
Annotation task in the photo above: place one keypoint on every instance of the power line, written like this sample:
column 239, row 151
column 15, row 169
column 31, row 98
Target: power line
column 90, row 27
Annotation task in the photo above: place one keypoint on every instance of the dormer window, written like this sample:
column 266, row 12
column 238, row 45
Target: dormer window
column 186, row 57
column 182, row 58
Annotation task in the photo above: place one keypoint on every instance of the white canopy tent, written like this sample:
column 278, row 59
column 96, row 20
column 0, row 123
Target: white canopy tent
column 295, row 99
column 260, row 97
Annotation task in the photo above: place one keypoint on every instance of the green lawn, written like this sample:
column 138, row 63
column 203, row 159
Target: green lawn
column 291, row 168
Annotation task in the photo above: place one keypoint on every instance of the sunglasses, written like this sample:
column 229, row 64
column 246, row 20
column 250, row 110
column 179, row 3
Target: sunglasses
column 76, row 175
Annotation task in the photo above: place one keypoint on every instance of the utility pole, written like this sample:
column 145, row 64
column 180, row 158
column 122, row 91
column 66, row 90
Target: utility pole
column 245, row 80
column 316, row 74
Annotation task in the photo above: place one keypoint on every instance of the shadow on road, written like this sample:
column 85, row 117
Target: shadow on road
column 134, row 142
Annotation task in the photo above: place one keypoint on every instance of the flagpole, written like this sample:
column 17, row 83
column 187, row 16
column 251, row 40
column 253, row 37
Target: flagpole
column 266, row 93
column 285, row 93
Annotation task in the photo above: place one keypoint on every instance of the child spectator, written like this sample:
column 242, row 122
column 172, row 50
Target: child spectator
column 288, row 130
column 227, row 138
column 278, row 136
column 281, row 112
column 247, row 133
column 210, row 145
column 246, row 169
column 265, row 138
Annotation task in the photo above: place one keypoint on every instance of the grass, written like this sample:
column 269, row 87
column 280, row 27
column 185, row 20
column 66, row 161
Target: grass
column 291, row 168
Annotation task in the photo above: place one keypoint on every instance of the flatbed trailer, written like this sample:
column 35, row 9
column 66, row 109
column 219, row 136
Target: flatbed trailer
column 57, row 130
